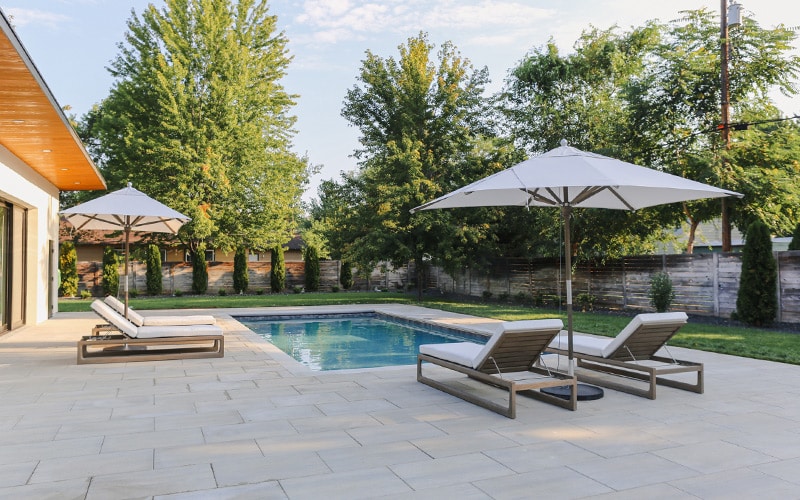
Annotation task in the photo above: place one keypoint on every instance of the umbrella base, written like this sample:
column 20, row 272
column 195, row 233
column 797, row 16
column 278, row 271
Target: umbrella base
column 585, row 392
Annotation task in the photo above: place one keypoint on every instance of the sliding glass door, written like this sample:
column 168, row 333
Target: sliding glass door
column 5, row 283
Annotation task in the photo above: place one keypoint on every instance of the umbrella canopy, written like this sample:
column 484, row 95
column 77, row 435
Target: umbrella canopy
column 127, row 209
column 567, row 177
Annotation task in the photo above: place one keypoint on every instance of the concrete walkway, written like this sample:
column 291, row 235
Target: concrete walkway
column 255, row 424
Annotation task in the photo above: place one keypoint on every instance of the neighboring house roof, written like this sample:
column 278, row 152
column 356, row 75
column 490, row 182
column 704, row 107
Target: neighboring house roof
column 32, row 124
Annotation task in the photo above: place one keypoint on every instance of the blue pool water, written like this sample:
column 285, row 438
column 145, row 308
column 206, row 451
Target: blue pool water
column 347, row 341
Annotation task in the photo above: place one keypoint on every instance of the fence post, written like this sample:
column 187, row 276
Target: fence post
column 624, row 286
column 776, row 256
column 715, row 281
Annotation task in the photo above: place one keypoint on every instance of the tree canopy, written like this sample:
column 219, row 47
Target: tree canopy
column 198, row 118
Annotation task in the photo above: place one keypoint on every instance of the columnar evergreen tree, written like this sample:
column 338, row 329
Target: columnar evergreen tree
column 153, row 277
column 346, row 275
column 68, row 268
column 198, row 118
column 757, row 302
column 311, row 257
column 277, row 276
column 199, row 271
column 240, row 278
column 110, row 279
column 795, row 243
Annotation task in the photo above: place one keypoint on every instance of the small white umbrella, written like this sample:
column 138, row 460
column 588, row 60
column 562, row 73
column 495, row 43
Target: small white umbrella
column 127, row 209
column 567, row 177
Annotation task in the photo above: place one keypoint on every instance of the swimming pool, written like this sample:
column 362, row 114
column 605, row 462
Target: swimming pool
column 344, row 341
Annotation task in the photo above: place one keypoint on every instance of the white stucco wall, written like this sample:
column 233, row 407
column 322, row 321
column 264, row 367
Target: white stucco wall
column 22, row 186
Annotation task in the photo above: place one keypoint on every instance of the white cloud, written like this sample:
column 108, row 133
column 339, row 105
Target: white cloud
column 24, row 17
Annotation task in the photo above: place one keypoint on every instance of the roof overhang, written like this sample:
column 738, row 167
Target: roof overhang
column 32, row 124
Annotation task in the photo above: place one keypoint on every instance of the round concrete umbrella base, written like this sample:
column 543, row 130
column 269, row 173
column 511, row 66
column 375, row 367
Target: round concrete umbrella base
column 585, row 392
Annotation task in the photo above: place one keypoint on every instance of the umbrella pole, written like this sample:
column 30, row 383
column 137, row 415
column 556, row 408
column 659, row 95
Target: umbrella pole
column 127, row 253
column 566, row 212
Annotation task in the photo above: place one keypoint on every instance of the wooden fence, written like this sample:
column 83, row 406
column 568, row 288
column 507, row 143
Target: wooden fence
column 704, row 284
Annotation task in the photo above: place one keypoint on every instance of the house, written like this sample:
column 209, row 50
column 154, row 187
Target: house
column 40, row 155
column 708, row 239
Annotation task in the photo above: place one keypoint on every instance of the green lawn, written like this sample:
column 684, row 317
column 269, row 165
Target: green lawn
column 747, row 342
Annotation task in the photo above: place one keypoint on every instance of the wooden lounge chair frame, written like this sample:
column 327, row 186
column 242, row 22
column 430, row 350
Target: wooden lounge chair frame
column 636, row 359
column 124, row 346
column 512, row 364
column 121, row 348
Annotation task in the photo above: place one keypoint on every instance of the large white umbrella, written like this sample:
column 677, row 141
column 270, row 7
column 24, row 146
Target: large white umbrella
column 127, row 209
column 567, row 177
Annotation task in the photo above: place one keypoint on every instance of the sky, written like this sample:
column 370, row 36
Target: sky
column 72, row 43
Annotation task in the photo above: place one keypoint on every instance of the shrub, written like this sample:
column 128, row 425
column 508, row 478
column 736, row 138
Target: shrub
column 585, row 301
column 277, row 278
column 795, row 243
column 311, row 257
column 757, row 301
column 346, row 276
column 222, row 292
column 504, row 296
column 199, row 271
column 661, row 292
column 86, row 293
column 68, row 267
column 487, row 294
column 334, row 289
column 297, row 289
column 153, row 280
column 240, row 278
column 133, row 293
column 178, row 293
column 259, row 292
column 110, row 280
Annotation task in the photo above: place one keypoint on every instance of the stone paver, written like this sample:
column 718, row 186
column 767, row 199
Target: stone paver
column 255, row 424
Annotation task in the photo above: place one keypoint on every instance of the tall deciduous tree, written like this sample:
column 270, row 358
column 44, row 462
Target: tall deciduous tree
column 198, row 118
column 421, row 118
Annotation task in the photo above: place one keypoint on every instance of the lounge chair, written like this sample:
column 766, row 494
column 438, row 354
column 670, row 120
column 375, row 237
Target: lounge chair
column 509, row 360
column 139, row 320
column 632, row 354
column 148, row 343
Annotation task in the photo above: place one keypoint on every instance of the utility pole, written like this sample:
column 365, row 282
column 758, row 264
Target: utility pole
column 726, row 131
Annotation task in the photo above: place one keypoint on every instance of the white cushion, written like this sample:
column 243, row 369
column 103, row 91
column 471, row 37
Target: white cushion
column 179, row 320
column 461, row 353
column 605, row 347
column 114, row 318
column 149, row 332
column 473, row 355
column 134, row 317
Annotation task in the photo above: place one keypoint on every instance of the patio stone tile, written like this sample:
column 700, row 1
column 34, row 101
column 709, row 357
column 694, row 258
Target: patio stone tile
column 737, row 483
column 315, row 441
column 197, row 420
column 44, row 416
column 532, row 457
column 633, row 471
column 59, row 469
column 461, row 444
column 105, row 427
column 558, row 482
column 152, row 482
column 329, row 423
column 363, row 483
column 785, row 469
column 269, row 490
column 713, row 456
column 29, row 435
column 16, row 474
column 344, row 459
column 777, row 443
column 155, row 439
column 265, row 412
column 165, row 406
column 296, row 399
column 247, row 430
column 61, row 490
column 355, row 407
column 450, row 470
column 232, row 472
column 392, row 433
column 176, row 456
column 423, row 413
column 17, row 453
column 463, row 491
column 661, row 491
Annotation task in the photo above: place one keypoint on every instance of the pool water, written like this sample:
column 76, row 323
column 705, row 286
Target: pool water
column 365, row 341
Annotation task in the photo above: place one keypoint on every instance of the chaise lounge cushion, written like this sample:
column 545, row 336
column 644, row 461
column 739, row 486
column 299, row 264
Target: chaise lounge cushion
column 149, row 332
column 139, row 320
column 604, row 347
column 472, row 354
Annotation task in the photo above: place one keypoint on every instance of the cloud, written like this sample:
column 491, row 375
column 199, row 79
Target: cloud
column 332, row 21
column 24, row 17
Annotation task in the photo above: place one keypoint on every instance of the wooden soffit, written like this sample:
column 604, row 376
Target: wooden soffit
column 34, row 127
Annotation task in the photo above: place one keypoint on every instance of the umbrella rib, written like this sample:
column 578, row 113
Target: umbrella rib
column 621, row 199
column 587, row 193
column 538, row 197
column 557, row 200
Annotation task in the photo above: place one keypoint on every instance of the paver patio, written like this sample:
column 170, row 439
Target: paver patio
column 255, row 424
